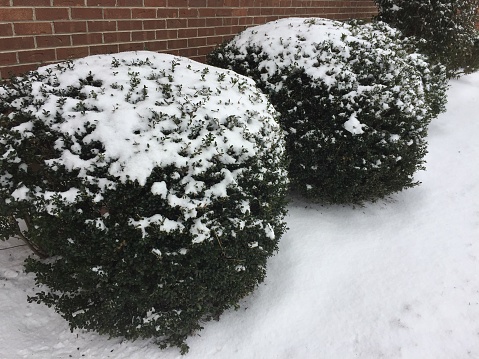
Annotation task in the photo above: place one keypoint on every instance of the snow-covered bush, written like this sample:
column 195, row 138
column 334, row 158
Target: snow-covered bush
column 355, row 102
column 445, row 28
column 155, row 186
column 472, row 64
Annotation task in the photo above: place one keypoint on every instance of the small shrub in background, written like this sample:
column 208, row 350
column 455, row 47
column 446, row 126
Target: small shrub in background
column 155, row 186
column 355, row 102
column 445, row 28
column 472, row 64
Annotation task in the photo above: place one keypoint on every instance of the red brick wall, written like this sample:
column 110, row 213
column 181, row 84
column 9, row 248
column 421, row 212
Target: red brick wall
column 35, row 32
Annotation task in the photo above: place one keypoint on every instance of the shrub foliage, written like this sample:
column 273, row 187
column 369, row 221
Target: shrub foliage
column 355, row 102
column 153, row 185
column 445, row 28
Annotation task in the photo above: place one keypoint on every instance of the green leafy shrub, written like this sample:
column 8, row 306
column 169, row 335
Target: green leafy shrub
column 445, row 28
column 472, row 64
column 155, row 186
column 355, row 102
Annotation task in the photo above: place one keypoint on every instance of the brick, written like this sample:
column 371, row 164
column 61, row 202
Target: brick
column 53, row 41
column 223, row 12
column 197, row 3
column 223, row 30
column 229, row 21
column 116, row 37
column 197, row 22
column 216, row 3
column 6, row 29
column 171, row 34
column 65, row 53
column 101, row 2
column 8, row 58
column 269, row 3
column 4, row 2
column 252, row 11
column 178, row 3
column 269, row 11
column 143, row 35
column 68, row 27
column 16, row 43
column 166, row 34
column 157, row 45
column 239, row 12
column 154, row 24
column 199, row 58
column 206, row 31
column 51, row 13
column 88, row 13
column 196, row 42
column 246, row 21
column 68, row 2
column 155, row 3
column 130, row 3
column 111, row 13
column 207, row 12
column 143, row 13
column 16, row 70
column 187, row 33
column 189, row 52
column 132, row 46
column 16, row 14
column 271, row 18
column 31, row 2
column 104, row 49
column 205, row 50
column 37, row 56
column 214, row 21
column 188, row 13
column 214, row 40
column 176, row 23
column 166, row 13
column 100, row 26
column 237, row 29
column 177, row 44
column 87, row 39
column 32, row 28
column 130, row 25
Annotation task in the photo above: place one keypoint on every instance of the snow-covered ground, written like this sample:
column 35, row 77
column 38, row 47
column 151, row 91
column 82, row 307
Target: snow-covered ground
column 395, row 279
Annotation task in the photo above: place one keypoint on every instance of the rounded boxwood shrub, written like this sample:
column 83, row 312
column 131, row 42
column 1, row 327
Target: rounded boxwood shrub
column 445, row 28
column 153, row 185
column 355, row 102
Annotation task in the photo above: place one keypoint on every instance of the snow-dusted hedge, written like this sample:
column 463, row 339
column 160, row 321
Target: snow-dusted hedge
column 355, row 102
column 445, row 28
column 154, row 185
column 473, row 61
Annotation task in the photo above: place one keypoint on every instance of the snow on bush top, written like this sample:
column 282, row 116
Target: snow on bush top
column 141, row 111
column 328, row 51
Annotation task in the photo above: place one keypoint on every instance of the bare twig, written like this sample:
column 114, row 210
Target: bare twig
column 20, row 245
column 223, row 250
column 39, row 252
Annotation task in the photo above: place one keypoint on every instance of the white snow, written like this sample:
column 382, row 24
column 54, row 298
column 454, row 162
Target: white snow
column 394, row 279
column 160, row 189
column 166, row 225
column 353, row 125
